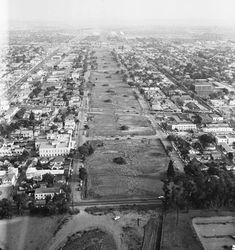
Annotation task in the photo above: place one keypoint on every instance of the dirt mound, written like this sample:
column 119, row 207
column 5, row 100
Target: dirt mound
column 92, row 240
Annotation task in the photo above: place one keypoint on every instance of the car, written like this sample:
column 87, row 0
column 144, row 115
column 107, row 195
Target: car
column 161, row 197
column 116, row 218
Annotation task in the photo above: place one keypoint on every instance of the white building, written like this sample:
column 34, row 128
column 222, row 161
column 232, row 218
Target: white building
column 75, row 101
column 183, row 126
column 36, row 174
column 42, row 193
column 216, row 118
column 218, row 128
column 56, row 144
column 4, row 104
column 75, row 75
column 10, row 150
column 69, row 122
column 228, row 139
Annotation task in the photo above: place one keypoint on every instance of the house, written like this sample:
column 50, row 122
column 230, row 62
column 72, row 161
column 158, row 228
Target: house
column 75, row 101
column 69, row 122
column 42, row 192
column 27, row 133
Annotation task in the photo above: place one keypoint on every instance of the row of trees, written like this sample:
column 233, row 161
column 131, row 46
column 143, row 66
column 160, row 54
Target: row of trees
column 197, row 188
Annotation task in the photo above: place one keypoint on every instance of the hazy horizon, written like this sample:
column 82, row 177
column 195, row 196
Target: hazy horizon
column 133, row 12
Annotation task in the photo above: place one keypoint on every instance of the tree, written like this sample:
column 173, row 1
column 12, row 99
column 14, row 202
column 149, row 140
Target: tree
column 193, row 169
column 230, row 156
column 82, row 174
column 31, row 116
column 49, row 178
column 20, row 200
column 171, row 137
column 119, row 160
column 5, row 208
column 167, row 193
column 197, row 119
column 206, row 139
column 86, row 149
column 170, row 171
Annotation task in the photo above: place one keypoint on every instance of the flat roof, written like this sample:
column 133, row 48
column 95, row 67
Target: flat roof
column 47, row 190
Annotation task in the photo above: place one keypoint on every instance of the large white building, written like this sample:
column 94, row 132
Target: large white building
column 218, row 128
column 184, row 126
column 55, row 144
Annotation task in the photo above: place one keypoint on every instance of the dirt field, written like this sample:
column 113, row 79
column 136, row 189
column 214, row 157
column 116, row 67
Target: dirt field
column 113, row 103
column 124, row 234
column 215, row 232
column 139, row 177
column 182, row 236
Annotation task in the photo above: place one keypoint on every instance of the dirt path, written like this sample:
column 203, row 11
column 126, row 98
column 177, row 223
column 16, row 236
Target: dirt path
column 23, row 232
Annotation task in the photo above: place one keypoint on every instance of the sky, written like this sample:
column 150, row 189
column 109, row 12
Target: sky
column 126, row 11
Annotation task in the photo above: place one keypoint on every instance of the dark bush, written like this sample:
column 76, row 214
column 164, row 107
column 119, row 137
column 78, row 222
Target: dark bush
column 119, row 160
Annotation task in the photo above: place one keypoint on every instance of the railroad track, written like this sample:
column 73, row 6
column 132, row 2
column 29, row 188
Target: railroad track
column 117, row 202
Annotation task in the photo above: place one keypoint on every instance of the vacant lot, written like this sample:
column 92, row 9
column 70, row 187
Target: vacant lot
column 113, row 103
column 87, row 231
column 215, row 232
column 140, row 177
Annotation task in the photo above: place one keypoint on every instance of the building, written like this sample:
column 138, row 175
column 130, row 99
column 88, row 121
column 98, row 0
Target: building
column 218, row 128
column 203, row 89
column 43, row 192
column 221, row 139
column 75, row 101
column 228, row 139
column 4, row 104
column 69, row 122
column 216, row 118
column 55, row 144
column 183, row 126
column 10, row 150
column 37, row 174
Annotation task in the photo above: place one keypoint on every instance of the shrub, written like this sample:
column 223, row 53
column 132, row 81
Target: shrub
column 119, row 160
